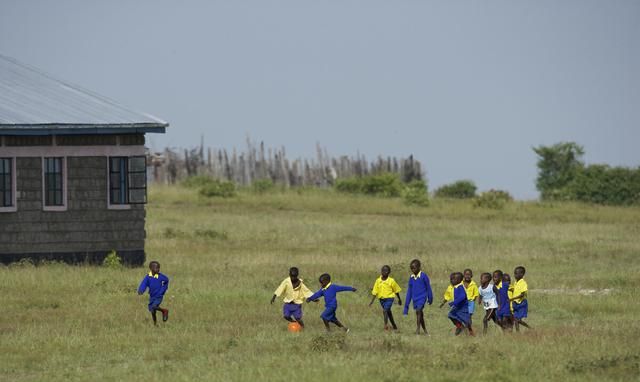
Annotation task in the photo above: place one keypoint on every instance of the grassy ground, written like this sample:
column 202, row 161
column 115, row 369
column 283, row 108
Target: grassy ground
column 225, row 258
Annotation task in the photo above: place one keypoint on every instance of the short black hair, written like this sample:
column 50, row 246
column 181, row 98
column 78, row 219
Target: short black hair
column 520, row 267
column 293, row 271
column 485, row 274
column 498, row 272
column 324, row 277
column 388, row 267
column 153, row 262
column 507, row 276
column 468, row 269
column 416, row 262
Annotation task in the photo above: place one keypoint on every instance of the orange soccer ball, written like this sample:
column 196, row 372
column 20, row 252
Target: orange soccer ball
column 294, row 327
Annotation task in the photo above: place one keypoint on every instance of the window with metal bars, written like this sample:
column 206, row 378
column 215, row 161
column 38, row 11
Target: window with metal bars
column 127, row 180
column 53, row 182
column 6, row 182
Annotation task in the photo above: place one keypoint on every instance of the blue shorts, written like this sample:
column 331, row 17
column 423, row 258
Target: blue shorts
column 291, row 309
column 520, row 310
column 419, row 304
column 472, row 307
column 500, row 314
column 386, row 303
column 154, row 303
column 461, row 315
column 329, row 313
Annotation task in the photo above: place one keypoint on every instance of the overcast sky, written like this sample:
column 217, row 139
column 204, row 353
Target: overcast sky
column 467, row 87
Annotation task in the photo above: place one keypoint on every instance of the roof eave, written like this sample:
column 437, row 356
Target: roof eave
column 56, row 129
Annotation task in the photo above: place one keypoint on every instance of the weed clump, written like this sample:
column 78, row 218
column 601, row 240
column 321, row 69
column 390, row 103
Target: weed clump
column 385, row 185
column 112, row 260
column 415, row 193
column 462, row 189
column 218, row 188
column 262, row 186
column 325, row 343
column 493, row 199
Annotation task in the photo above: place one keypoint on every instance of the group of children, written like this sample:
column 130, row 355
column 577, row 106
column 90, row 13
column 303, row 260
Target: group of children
column 504, row 303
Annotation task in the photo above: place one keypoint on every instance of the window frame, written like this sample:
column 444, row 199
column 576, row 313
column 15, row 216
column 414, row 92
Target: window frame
column 63, row 179
column 12, row 186
column 125, row 181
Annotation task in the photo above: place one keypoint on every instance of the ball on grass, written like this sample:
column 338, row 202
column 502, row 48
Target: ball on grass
column 294, row 327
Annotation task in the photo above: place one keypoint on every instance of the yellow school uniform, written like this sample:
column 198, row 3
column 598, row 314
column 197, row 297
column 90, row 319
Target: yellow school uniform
column 448, row 293
column 510, row 295
column 472, row 291
column 519, row 288
column 290, row 294
column 385, row 288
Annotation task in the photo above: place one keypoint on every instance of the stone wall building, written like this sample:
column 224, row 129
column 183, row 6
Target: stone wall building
column 73, row 182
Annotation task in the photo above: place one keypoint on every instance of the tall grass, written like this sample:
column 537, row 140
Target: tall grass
column 226, row 256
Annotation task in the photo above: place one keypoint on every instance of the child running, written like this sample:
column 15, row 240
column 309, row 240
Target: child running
column 384, row 289
column 448, row 293
column 488, row 298
column 519, row 299
column 459, row 313
column 158, row 285
column 418, row 291
column 471, row 288
column 294, row 292
column 504, row 305
column 329, row 291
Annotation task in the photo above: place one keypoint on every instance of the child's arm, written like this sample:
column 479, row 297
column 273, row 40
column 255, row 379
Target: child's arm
column 399, row 299
column 373, row 298
column 458, row 297
column 429, row 291
column 341, row 288
column 518, row 296
column 407, row 299
column 280, row 290
column 165, row 286
column 143, row 285
column 316, row 295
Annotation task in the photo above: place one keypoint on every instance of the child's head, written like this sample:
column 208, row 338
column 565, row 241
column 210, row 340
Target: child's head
column 468, row 274
column 385, row 271
column 506, row 278
column 415, row 266
column 324, row 279
column 497, row 277
column 485, row 278
column 154, row 267
column 293, row 273
column 452, row 278
column 456, row 278
column 519, row 272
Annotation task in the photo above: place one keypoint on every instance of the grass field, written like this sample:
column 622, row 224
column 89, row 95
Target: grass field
column 225, row 257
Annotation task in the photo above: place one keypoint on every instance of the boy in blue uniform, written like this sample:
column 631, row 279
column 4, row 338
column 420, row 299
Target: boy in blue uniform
column 418, row 290
column 158, row 285
column 459, row 313
column 504, row 305
column 329, row 291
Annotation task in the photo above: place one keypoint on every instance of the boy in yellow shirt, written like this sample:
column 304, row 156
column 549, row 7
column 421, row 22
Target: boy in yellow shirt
column 384, row 289
column 294, row 293
column 473, row 293
column 519, row 299
column 448, row 293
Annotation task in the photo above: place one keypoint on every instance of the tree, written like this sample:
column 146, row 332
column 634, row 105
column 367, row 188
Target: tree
column 558, row 165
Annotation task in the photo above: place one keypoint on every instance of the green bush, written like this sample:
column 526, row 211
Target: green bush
column 493, row 199
column 415, row 193
column 197, row 181
column 602, row 184
column 262, row 186
column 112, row 260
column 218, row 188
column 462, row 189
column 558, row 165
column 387, row 185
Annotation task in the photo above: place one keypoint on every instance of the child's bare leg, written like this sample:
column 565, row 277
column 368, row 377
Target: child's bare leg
column 385, row 315
column 153, row 315
column 339, row 324
column 290, row 319
column 521, row 322
column 393, row 323
column 422, row 324
column 299, row 320
column 418, row 314
column 326, row 325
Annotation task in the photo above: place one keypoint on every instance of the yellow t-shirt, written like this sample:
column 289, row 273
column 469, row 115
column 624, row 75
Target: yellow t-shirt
column 519, row 288
column 510, row 295
column 448, row 293
column 472, row 291
column 385, row 288
column 291, row 294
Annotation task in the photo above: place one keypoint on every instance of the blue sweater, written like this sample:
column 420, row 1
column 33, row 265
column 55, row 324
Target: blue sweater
column 418, row 289
column 329, row 293
column 157, row 286
column 459, row 298
column 504, row 307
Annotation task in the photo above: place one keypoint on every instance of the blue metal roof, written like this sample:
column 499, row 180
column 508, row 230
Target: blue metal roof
column 34, row 103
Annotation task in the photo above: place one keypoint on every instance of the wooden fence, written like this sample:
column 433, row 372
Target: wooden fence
column 258, row 162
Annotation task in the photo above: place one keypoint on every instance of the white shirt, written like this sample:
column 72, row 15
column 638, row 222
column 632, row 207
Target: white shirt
column 489, row 300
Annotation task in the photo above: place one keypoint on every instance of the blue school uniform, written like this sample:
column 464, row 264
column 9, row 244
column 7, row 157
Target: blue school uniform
column 330, row 300
column 504, row 307
column 459, row 306
column 418, row 291
column 158, row 285
column 520, row 310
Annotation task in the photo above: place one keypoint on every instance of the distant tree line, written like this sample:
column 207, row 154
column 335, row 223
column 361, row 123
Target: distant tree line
column 563, row 175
